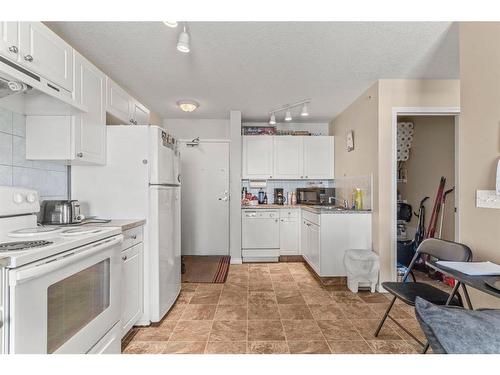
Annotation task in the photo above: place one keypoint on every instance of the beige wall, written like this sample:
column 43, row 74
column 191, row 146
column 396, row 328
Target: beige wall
column 432, row 155
column 479, row 133
column 361, row 117
column 377, row 158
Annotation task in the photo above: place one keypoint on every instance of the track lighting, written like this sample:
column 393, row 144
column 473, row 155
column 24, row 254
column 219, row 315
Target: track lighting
column 304, row 111
column 288, row 114
column 183, row 41
column 172, row 24
column 187, row 105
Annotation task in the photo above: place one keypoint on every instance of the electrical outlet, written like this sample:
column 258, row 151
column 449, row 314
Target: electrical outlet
column 487, row 199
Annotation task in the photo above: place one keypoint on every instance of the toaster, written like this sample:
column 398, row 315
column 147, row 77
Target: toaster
column 61, row 212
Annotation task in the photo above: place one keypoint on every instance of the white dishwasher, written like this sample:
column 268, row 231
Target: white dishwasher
column 260, row 235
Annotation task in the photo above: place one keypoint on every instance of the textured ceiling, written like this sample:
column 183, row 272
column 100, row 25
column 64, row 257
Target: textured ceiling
column 257, row 66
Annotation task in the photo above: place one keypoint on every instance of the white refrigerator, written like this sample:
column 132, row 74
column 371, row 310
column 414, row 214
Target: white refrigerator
column 141, row 180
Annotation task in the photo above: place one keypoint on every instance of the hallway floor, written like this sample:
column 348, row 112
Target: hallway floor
column 275, row 308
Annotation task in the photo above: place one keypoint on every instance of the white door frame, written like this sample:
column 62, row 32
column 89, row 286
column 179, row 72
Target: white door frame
column 418, row 111
column 216, row 140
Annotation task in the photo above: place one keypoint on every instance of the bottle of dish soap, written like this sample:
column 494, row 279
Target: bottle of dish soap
column 358, row 199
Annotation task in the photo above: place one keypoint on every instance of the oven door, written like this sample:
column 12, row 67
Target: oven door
column 66, row 303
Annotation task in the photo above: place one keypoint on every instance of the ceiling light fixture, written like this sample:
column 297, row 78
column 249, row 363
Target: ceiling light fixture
column 172, row 24
column 272, row 120
column 288, row 115
column 187, row 105
column 304, row 112
column 183, row 41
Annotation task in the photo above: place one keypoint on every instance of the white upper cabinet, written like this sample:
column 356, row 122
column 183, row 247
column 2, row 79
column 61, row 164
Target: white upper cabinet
column 75, row 140
column 90, row 127
column 45, row 53
column 9, row 41
column 124, row 108
column 117, row 101
column 318, row 157
column 288, row 159
column 257, row 157
column 138, row 113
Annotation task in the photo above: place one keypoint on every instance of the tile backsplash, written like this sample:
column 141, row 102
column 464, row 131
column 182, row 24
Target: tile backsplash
column 49, row 179
column 343, row 187
column 286, row 185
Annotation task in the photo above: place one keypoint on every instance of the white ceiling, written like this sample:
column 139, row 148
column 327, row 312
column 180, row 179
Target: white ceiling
column 258, row 66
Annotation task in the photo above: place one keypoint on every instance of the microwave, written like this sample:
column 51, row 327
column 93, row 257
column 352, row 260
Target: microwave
column 315, row 196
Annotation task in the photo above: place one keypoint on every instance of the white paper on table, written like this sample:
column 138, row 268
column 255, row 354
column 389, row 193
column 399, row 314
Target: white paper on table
column 472, row 268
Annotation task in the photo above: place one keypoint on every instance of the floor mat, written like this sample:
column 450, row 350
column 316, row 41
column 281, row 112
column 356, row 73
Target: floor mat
column 205, row 269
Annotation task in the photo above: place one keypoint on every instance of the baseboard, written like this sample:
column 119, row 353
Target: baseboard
column 236, row 260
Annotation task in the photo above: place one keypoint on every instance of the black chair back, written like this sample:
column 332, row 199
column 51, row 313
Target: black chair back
column 445, row 250
column 442, row 250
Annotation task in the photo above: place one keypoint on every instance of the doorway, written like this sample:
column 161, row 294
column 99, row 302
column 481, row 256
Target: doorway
column 205, row 197
column 425, row 142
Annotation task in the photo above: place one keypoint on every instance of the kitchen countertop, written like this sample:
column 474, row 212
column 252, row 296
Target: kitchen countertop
column 125, row 224
column 314, row 209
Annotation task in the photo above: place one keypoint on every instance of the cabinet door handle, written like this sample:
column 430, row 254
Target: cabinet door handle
column 307, row 176
column 301, row 176
column 28, row 58
column 124, row 258
column 131, row 120
column 134, row 236
column 13, row 49
column 80, row 155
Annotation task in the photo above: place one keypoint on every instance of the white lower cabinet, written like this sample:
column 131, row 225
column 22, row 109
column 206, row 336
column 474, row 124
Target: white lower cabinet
column 289, row 232
column 132, row 283
column 325, row 239
column 310, row 240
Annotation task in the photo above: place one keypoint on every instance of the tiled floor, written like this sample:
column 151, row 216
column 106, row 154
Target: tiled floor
column 276, row 308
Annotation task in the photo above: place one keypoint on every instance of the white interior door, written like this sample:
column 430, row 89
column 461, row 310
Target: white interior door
column 205, row 198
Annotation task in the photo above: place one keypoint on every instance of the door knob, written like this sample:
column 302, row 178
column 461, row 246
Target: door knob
column 124, row 257
column 28, row 58
column 80, row 155
column 13, row 49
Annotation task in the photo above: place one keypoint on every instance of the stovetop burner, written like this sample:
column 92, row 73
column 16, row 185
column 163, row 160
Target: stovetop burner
column 22, row 245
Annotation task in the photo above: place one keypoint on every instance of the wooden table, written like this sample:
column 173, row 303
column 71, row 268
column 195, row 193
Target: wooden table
column 463, row 280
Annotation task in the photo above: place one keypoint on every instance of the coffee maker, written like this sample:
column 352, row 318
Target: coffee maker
column 279, row 197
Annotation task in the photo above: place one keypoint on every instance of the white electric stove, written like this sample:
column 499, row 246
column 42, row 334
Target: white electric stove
column 60, row 285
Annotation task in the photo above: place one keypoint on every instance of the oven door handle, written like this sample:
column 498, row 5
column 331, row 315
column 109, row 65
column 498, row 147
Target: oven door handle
column 44, row 268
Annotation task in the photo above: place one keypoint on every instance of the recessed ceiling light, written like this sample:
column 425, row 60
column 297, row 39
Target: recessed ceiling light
column 187, row 105
column 183, row 41
column 272, row 120
column 304, row 111
column 171, row 24
column 288, row 115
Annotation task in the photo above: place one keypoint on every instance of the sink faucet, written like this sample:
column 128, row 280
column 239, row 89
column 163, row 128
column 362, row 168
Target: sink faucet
column 344, row 201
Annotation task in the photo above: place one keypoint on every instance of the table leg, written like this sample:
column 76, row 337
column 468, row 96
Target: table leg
column 467, row 298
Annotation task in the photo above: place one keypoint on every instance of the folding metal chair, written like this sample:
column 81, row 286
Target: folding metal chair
column 409, row 291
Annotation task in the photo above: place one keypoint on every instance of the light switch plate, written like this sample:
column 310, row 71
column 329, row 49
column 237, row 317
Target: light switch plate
column 487, row 199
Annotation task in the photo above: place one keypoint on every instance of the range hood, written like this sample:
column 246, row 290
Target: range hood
column 27, row 93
